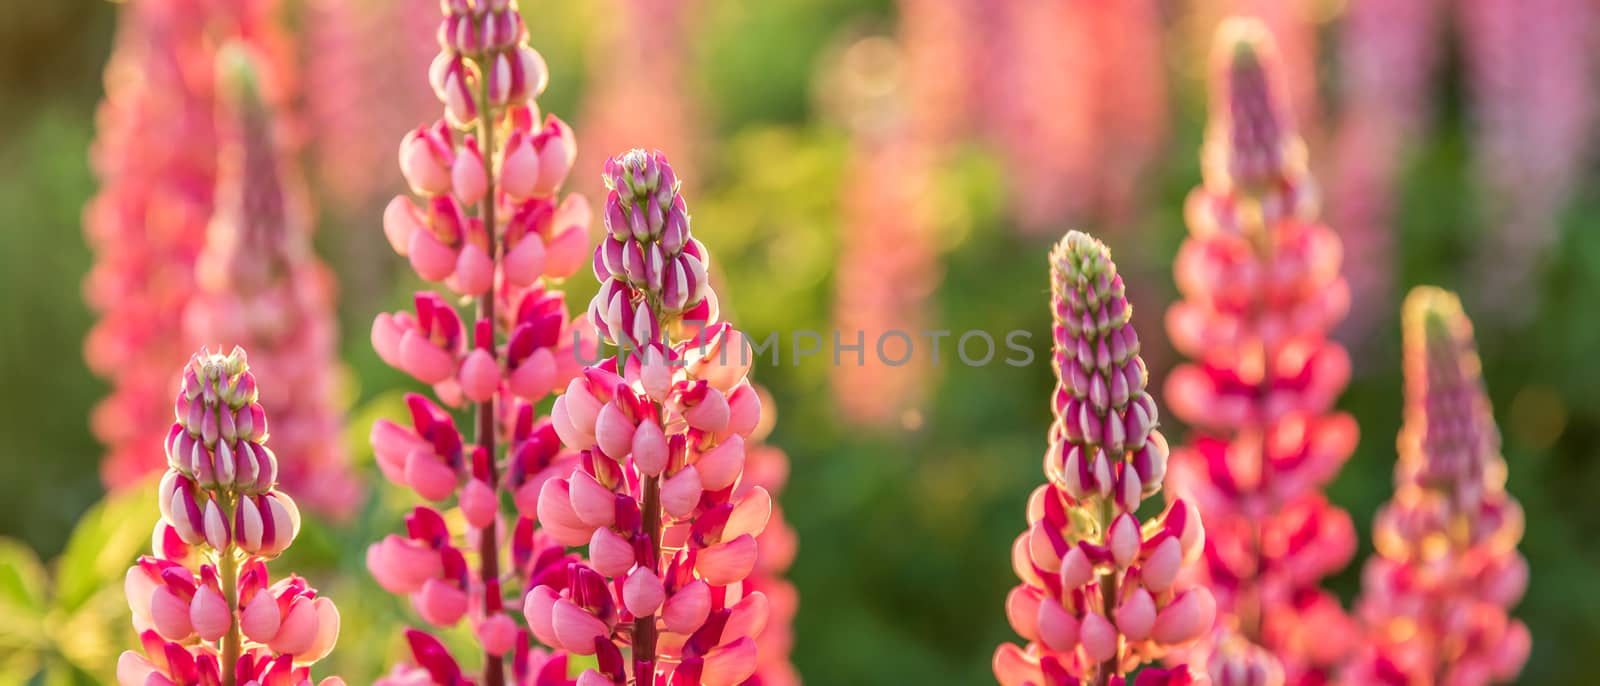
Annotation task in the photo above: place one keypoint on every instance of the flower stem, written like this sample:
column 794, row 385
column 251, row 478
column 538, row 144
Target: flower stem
column 228, row 571
column 488, row 544
column 644, row 628
column 1108, row 595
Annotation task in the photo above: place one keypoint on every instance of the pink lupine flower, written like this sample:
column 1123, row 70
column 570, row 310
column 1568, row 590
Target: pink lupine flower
column 1533, row 99
column 221, row 621
column 1294, row 25
column 261, row 287
column 767, row 467
column 889, row 268
column 487, row 221
column 1261, row 286
column 155, row 156
column 1098, row 594
column 366, row 51
column 1435, row 598
column 1080, row 84
column 658, row 496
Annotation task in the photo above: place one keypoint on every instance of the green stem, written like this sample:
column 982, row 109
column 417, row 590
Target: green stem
column 228, row 570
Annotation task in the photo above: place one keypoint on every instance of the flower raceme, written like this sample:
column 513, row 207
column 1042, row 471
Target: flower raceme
column 1435, row 597
column 1261, row 287
column 205, row 608
column 1098, row 594
column 261, row 287
column 658, row 495
column 155, row 157
column 488, row 222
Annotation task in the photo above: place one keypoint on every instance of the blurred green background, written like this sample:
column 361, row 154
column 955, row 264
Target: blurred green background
column 904, row 533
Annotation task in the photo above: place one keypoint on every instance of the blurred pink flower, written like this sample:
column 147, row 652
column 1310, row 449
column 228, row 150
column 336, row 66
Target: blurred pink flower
column 156, row 155
column 640, row 92
column 1434, row 599
column 364, row 52
column 888, row 267
column 260, row 286
column 1261, row 287
column 1098, row 595
column 1077, row 105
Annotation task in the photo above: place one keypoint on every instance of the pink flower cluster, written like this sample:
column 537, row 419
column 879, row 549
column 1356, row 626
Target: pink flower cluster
column 1435, row 597
column 492, row 227
column 260, row 286
column 1099, row 593
column 766, row 467
column 1070, row 94
column 1261, row 286
column 205, row 608
column 658, row 494
column 372, row 50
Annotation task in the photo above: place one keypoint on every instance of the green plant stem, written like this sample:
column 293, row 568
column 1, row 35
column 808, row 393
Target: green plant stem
column 228, row 570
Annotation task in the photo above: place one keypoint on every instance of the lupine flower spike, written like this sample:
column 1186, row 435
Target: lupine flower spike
column 206, row 611
column 490, row 224
column 658, row 495
column 890, row 267
column 1261, row 287
column 1099, row 595
column 1435, row 597
column 155, row 155
column 261, row 287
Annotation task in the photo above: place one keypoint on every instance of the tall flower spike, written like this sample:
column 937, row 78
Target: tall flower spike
column 659, row 495
column 210, row 616
column 1434, row 599
column 890, row 266
column 1098, row 597
column 1261, row 287
column 490, row 224
column 155, row 155
column 260, row 286
column 1103, row 101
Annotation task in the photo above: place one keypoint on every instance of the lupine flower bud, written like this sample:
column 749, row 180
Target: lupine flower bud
column 655, row 495
column 1262, row 291
column 194, row 619
column 1096, row 598
column 1435, row 599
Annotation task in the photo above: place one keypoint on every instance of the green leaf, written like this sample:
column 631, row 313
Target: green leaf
column 107, row 540
column 24, row 587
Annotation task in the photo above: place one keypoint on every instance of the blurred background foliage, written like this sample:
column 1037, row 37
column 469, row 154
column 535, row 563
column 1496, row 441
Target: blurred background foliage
column 904, row 532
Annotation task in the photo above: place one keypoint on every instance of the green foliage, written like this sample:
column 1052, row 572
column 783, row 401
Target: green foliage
column 63, row 630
